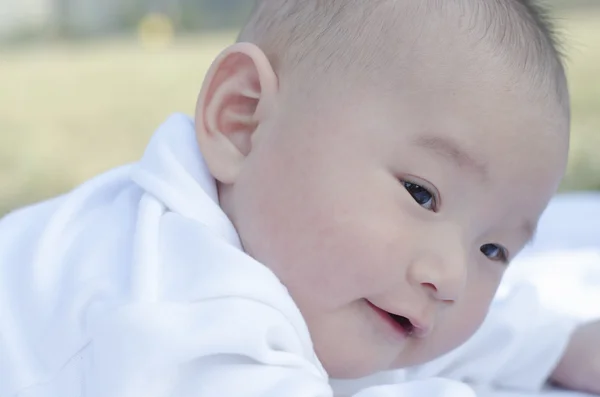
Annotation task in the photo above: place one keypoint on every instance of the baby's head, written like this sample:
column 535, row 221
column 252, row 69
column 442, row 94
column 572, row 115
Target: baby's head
column 387, row 156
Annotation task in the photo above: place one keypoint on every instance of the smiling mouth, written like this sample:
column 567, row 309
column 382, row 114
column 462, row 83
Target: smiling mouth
column 403, row 322
column 402, row 325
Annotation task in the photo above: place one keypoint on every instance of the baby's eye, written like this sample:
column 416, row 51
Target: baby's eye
column 421, row 195
column 495, row 253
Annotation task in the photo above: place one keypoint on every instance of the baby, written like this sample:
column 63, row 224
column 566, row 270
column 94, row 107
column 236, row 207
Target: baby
column 358, row 177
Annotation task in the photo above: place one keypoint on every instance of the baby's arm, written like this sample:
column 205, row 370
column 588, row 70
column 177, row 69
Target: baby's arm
column 579, row 367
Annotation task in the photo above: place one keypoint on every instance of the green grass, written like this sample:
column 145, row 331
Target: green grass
column 71, row 111
column 582, row 42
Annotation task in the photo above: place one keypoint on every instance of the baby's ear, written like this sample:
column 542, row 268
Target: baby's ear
column 238, row 91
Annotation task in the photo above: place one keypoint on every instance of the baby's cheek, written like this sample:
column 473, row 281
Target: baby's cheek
column 365, row 259
column 470, row 312
column 469, row 321
column 452, row 333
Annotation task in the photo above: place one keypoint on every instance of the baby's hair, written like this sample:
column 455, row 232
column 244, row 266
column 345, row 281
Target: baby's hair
column 340, row 35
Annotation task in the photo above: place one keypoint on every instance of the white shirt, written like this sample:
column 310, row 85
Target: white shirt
column 135, row 284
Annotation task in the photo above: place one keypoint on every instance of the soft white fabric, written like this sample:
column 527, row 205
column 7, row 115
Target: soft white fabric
column 134, row 284
column 563, row 263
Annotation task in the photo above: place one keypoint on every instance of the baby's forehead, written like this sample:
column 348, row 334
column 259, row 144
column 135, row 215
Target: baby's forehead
column 479, row 133
column 356, row 37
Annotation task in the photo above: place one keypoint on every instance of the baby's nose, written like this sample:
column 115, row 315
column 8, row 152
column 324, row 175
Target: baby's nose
column 443, row 276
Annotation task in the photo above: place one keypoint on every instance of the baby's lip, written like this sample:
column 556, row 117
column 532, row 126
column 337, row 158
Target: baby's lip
column 421, row 330
column 421, row 325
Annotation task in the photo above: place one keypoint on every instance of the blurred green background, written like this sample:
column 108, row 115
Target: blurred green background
column 84, row 83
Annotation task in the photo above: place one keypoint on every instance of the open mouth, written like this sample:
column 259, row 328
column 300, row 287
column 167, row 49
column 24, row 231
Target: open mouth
column 402, row 325
column 403, row 322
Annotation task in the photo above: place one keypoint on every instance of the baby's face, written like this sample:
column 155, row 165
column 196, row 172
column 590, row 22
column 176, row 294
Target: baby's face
column 391, row 218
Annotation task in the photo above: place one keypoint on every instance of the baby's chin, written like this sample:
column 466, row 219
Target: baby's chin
column 359, row 370
column 354, row 370
column 355, row 360
column 360, row 363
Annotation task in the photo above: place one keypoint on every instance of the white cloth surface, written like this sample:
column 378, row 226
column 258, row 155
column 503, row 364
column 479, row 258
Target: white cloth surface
column 563, row 263
column 135, row 284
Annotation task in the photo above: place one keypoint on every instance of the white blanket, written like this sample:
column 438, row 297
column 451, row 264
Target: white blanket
column 564, row 261
column 135, row 285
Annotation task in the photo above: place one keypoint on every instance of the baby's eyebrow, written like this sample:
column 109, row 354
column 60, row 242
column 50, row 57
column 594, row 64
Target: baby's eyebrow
column 449, row 149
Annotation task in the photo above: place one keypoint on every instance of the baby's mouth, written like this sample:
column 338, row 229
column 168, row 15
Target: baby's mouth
column 407, row 326
column 404, row 322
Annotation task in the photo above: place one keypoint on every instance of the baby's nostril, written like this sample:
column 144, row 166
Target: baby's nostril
column 430, row 286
